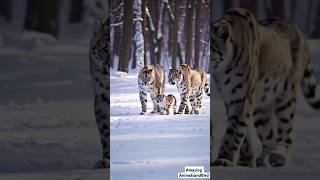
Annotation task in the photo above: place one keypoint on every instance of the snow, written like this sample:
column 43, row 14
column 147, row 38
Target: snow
column 153, row 146
column 47, row 127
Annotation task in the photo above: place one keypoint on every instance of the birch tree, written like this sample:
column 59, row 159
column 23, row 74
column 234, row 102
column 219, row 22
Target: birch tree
column 138, row 36
column 175, row 32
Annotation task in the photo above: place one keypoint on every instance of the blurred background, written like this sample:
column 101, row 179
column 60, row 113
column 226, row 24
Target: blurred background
column 305, row 13
column 305, row 159
column 46, row 100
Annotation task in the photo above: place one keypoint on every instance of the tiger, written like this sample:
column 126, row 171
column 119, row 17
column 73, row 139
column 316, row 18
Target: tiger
column 167, row 104
column 99, row 58
column 151, row 79
column 190, row 83
column 259, row 67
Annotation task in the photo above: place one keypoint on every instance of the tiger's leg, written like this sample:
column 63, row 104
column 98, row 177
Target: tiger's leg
column 184, row 103
column 103, row 123
column 198, row 104
column 156, row 107
column 186, row 110
column 163, row 109
column 246, row 153
column 175, row 107
column 284, row 112
column 238, row 116
column 143, row 101
column 192, row 103
column 263, row 122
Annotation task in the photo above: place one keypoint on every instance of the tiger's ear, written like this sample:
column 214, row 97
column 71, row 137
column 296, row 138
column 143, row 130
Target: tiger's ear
column 224, row 31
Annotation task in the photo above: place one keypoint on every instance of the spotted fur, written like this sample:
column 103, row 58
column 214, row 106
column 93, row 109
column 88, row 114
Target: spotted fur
column 151, row 79
column 99, row 58
column 190, row 83
column 259, row 67
column 167, row 104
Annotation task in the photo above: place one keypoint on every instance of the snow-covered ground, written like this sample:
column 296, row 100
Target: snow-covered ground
column 47, row 126
column 153, row 147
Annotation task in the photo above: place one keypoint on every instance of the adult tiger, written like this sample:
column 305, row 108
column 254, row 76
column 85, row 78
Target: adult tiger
column 190, row 83
column 259, row 68
column 151, row 79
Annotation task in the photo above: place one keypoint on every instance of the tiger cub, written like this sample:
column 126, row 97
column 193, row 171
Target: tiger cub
column 150, row 80
column 167, row 104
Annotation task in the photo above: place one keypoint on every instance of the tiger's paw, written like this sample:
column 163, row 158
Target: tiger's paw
column 153, row 112
column 223, row 162
column 143, row 113
column 163, row 113
column 102, row 164
column 260, row 162
column 248, row 163
column 277, row 159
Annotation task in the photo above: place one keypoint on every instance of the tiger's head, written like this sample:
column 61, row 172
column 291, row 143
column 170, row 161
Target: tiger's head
column 99, row 46
column 222, row 42
column 175, row 76
column 146, row 76
column 159, row 98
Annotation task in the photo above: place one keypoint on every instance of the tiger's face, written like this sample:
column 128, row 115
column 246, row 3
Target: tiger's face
column 146, row 77
column 175, row 76
column 222, row 43
column 159, row 98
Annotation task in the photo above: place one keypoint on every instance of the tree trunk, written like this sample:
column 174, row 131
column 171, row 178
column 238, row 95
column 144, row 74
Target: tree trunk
column 5, row 9
column 175, row 35
column 152, row 38
column 76, row 11
column 227, row 4
column 293, row 9
column 277, row 8
column 189, row 31
column 42, row 16
column 197, row 37
column 309, row 18
column 126, row 41
column 116, row 20
column 144, row 32
column 138, row 36
column 116, row 42
column 160, row 31
column 250, row 5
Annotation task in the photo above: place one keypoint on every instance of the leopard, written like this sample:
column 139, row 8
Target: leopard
column 99, row 58
column 167, row 104
column 259, row 68
column 191, row 83
column 151, row 79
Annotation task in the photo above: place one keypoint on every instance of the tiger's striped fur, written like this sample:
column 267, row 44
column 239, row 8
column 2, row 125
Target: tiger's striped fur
column 151, row 79
column 190, row 83
column 258, row 68
column 99, row 58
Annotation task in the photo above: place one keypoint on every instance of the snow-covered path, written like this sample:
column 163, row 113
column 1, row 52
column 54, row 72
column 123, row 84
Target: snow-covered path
column 153, row 146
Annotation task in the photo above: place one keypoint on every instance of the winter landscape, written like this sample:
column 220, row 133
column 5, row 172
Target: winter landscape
column 48, row 129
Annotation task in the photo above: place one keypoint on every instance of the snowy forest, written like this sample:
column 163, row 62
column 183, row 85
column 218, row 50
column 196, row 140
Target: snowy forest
column 162, row 32
column 305, row 13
